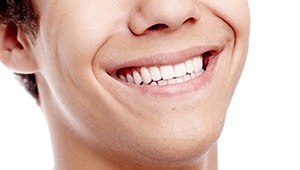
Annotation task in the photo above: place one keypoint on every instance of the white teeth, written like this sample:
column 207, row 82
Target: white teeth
column 189, row 66
column 162, row 82
column 137, row 78
column 179, row 80
column 164, row 75
column 153, row 84
column 171, row 81
column 180, row 70
column 123, row 78
column 200, row 63
column 193, row 75
column 167, row 72
column 199, row 73
column 196, row 65
column 145, row 75
column 155, row 73
column 129, row 78
column 187, row 78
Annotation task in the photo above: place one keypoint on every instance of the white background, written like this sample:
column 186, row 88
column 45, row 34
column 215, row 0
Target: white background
column 262, row 130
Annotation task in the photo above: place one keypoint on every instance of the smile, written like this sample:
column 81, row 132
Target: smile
column 166, row 74
column 163, row 75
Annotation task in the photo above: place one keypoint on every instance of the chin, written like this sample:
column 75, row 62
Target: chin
column 170, row 142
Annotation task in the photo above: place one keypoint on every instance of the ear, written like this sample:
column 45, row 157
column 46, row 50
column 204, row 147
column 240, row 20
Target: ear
column 16, row 50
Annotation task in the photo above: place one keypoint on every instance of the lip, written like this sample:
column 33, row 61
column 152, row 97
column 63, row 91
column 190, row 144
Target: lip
column 172, row 59
column 166, row 58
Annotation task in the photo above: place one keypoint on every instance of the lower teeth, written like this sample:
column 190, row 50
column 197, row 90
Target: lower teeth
column 175, row 80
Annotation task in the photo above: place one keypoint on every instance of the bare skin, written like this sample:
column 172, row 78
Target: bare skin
column 91, row 60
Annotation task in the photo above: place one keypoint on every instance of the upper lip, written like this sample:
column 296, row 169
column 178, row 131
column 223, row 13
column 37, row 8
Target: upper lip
column 167, row 58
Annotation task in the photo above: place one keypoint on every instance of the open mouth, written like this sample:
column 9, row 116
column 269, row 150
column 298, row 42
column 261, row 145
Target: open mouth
column 167, row 74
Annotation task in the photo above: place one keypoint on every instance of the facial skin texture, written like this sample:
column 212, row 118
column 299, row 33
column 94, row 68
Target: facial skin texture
column 97, row 121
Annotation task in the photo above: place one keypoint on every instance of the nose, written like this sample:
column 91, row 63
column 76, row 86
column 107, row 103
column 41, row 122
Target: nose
column 162, row 15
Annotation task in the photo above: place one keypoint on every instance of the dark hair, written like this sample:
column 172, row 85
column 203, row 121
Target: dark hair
column 23, row 13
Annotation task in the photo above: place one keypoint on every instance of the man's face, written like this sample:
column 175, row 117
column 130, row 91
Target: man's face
column 149, row 80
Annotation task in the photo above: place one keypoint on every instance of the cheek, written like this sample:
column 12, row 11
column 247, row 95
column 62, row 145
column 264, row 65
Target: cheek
column 75, row 31
column 69, row 40
column 67, row 43
column 234, row 12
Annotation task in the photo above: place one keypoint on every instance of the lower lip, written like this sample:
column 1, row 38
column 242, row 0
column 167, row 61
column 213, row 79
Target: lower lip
column 190, row 86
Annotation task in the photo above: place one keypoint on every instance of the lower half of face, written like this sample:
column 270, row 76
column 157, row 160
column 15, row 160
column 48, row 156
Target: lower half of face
column 156, row 95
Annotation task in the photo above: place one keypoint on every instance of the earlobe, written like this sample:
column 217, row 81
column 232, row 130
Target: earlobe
column 15, row 50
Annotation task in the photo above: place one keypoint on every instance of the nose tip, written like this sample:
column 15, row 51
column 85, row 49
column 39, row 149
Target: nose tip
column 169, row 15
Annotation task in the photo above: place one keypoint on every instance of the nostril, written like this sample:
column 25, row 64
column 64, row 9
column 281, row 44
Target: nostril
column 158, row 27
column 190, row 20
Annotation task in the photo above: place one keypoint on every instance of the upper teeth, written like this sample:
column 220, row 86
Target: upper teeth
column 168, row 74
